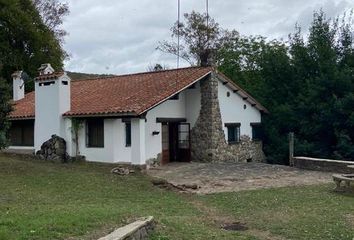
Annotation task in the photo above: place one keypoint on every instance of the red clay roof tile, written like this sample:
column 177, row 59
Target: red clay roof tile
column 127, row 94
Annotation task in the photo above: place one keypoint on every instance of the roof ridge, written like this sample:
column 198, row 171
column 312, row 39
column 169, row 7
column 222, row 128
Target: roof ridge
column 138, row 73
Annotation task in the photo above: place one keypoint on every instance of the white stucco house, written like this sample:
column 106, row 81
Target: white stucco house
column 184, row 114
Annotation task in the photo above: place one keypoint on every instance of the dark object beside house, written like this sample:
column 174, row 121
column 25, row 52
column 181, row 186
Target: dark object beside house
column 53, row 150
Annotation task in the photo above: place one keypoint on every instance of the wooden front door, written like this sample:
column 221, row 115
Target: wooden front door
column 176, row 142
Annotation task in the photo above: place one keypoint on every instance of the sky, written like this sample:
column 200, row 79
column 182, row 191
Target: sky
column 121, row 36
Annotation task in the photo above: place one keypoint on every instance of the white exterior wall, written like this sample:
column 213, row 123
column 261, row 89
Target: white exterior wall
column 138, row 155
column 168, row 109
column 51, row 102
column 114, row 149
column 193, row 104
column 232, row 110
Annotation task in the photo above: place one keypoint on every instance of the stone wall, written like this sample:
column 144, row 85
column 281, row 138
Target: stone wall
column 208, row 138
column 138, row 230
column 324, row 165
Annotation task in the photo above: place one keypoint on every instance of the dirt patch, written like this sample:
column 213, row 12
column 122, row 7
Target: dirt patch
column 237, row 226
column 232, row 177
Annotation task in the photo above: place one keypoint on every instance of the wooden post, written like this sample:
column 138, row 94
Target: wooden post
column 291, row 149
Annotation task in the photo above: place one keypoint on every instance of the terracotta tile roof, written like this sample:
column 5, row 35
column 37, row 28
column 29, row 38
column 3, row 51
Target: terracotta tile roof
column 131, row 94
column 24, row 108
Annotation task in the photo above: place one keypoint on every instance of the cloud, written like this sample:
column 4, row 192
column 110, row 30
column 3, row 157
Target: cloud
column 121, row 36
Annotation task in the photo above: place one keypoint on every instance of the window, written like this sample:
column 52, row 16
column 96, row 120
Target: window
column 21, row 133
column 95, row 133
column 233, row 132
column 128, row 134
column 257, row 132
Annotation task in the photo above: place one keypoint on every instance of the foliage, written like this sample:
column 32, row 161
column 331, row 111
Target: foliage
column 25, row 41
column 201, row 37
column 53, row 13
column 5, row 109
column 306, row 83
column 157, row 67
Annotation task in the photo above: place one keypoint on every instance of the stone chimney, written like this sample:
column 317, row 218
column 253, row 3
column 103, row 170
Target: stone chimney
column 18, row 85
column 45, row 69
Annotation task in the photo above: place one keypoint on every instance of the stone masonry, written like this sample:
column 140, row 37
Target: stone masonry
column 53, row 150
column 208, row 138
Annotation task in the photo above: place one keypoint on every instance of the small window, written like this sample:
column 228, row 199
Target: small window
column 233, row 132
column 95, row 133
column 257, row 132
column 65, row 82
column 128, row 134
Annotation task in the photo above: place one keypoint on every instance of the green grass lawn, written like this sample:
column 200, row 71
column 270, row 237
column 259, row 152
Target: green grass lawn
column 40, row 200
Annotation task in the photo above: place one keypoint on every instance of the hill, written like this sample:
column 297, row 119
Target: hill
column 79, row 76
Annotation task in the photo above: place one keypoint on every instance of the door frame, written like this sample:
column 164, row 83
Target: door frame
column 166, row 154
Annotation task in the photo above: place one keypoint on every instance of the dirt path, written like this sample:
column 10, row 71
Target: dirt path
column 233, row 177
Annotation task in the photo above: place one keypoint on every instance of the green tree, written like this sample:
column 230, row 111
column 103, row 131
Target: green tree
column 25, row 41
column 201, row 39
column 53, row 13
column 5, row 109
column 307, row 85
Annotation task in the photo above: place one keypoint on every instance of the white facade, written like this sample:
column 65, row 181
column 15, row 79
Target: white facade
column 234, row 109
column 115, row 149
column 52, row 100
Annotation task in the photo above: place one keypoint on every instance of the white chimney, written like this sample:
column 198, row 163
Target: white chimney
column 18, row 86
column 52, row 100
column 45, row 69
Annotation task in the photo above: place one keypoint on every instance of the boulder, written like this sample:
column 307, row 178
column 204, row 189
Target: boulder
column 53, row 150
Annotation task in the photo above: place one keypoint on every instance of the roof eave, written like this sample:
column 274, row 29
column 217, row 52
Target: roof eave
column 95, row 115
column 21, row 118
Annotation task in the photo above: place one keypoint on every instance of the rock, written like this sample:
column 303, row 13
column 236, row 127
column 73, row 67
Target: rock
column 158, row 182
column 122, row 171
column 53, row 150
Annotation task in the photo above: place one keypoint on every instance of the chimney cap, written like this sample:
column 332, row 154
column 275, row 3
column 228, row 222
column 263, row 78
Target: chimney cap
column 17, row 74
column 45, row 69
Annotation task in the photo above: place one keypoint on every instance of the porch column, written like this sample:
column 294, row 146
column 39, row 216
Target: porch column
column 138, row 141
